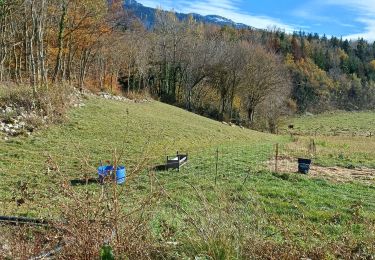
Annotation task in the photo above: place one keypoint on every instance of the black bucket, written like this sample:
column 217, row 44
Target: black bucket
column 304, row 165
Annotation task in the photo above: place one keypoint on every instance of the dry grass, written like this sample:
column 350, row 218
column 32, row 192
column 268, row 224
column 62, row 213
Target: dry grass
column 342, row 151
column 88, row 221
column 49, row 104
column 332, row 174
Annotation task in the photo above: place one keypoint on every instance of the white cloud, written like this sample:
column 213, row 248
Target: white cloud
column 366, row 15
column 226, row 8
column 369, row 34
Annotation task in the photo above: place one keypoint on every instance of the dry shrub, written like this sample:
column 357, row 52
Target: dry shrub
column 97, row 217
column 23, row 242
column 93, row 220
column 138, row 95
column 48, row 103
column 89, row 218
column 86, row 224
column 265, row 249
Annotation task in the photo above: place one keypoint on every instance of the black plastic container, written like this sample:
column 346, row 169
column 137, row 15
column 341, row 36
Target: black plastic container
column 304, row 165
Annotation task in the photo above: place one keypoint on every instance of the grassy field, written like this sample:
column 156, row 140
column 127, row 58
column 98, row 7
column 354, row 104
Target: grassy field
column 335, row 123
column 341, row 139
column 240, row 210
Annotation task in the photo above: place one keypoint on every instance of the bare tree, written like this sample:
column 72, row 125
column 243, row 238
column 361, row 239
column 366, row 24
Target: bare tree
column 263, row 75
column 225, row 73
column 60, row 40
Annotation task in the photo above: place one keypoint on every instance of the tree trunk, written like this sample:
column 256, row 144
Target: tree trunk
column 33, row 76
column 250, row 115
column 60, row 41
column 83, row 68
column 189, row 97
column 129, row 75
column 40, row 19
column 272, row 126
column 222, row 112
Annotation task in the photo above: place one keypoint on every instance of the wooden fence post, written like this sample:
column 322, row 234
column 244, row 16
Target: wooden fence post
column 217, row 162
column 277, row 158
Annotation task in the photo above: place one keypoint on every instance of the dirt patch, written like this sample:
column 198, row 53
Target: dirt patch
column 335, row 174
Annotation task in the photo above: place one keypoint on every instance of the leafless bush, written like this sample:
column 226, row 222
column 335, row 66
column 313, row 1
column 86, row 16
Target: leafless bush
column 22, row 106
column 90, row 218
column 138, row 95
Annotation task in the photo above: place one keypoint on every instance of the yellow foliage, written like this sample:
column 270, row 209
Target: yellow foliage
column 317, row 77
column 342, row 54
column 372, row 65
column 289, row 60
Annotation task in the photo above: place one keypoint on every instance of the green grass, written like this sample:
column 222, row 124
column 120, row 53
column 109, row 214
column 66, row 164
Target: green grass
column 93, row 133
column 247, row 202
column 336, row 123
column 342, row 138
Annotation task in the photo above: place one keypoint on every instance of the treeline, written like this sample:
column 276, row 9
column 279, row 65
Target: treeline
column 251, row 77
column 74, row 41
column 328, row 73
column 212, row 71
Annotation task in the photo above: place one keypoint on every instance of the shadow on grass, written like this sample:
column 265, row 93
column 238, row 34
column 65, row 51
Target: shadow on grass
column 160, row 168
column 79, row 182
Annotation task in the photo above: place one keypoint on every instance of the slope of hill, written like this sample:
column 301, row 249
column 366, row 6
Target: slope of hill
column 337, row 123
column 148, row 15
column 224, row 200
column 96, row 130
column 341, row 138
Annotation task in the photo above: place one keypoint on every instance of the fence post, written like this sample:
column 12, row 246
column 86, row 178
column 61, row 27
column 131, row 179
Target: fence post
column 277, row 158
column 312, row 147
column 217, row 162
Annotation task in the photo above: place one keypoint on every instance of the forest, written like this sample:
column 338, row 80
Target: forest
column 245, row 76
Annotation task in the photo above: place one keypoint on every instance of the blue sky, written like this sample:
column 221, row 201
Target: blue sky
column 350, row 19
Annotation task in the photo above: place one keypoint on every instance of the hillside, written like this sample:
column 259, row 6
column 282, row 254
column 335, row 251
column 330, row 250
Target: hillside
column 102, row 126
column 199, row 210
column 336, row 123
column 148, row 16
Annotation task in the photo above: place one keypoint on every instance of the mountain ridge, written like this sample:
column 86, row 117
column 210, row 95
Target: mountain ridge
column 148, row 16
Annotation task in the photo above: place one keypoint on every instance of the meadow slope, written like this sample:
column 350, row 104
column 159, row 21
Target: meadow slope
column 91, row 135
column 241, row 209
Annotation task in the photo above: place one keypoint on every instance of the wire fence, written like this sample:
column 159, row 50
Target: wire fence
column 369, row 133
column 240, row 159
